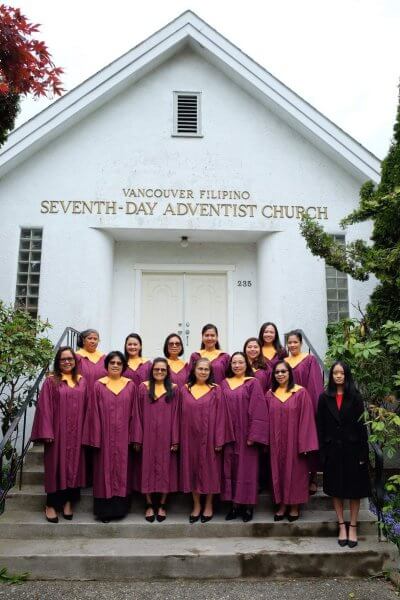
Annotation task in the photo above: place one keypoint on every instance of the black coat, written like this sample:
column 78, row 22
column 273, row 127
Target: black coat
column 343, row 442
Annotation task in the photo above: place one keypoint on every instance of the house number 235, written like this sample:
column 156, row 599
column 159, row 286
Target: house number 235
column 244, row 283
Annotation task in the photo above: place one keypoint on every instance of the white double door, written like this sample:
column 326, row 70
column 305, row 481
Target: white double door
column 181, row 303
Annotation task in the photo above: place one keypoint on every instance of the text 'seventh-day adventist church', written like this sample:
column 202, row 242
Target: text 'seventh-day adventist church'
column 166, row 191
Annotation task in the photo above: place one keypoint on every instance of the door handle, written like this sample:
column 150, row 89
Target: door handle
column 187, row 324
column 187, row 336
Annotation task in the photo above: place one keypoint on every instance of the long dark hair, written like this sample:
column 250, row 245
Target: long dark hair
column 165, row 348
column 276, row 343
column 167, row 381
column 290, row 383
column 192, row 377
column 113, row 354
column 57, row 370
column 248, row 372
column 83, row 334
column 297, row 333
column 349, row 388
column 259, row 362
column 137, row 337
column 206, row 328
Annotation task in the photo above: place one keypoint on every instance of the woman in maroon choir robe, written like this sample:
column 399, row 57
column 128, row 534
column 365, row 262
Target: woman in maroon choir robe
column 211, row 350
column 58, row 422
column 90, row 360
column 107, row 425
column 344, row 451
column 261, row 370
column 248, row 411
column 173, row 349
column 292, row 435
column 205, row 429
column 308, row 374
column 272, row 348
column 155, row 434
column 138, row 367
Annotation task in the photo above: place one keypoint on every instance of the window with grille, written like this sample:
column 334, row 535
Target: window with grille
column 28, row 275
column 187, row 121
column 337, row 290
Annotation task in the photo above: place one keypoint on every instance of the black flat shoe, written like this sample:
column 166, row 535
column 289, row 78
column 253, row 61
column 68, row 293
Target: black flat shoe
column 51, row 519
column 205, row 519
column 152, row 517
column 247, row 515
column 68, row 517
column 232, row 514
column 351, row 543
column 161, row 518
column 342, row 543
column 105, row 520
column 292, row 518
column 194, row 518
column 278, row 518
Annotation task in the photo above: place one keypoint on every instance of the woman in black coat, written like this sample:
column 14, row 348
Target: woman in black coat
column 343, row 442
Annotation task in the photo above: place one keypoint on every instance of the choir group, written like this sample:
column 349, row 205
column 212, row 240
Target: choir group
column 217, row 424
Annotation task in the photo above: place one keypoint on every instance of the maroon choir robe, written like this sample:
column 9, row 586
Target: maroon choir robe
column 140, row 374
column 219, row 365
column 91, row 371
column 107, row 426
column 205, row 425
column 181, row 377
column 156, row 428
column 60, row 415
column 248, row 411
column 264, row 377
column 292, row 432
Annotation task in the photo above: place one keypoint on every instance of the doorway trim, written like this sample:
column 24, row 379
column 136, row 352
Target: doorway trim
column 140, row 268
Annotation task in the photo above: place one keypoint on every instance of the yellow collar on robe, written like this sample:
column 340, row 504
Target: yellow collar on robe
column 269, row 352
column 94, row 357
column 159, row 389
column 210, row 355
column 67, row 377
column 115, row 385
column 293, row 361
column 134, row 363
column 176, row 365
column 283, row 395
column 235, row 382
column 199, row 390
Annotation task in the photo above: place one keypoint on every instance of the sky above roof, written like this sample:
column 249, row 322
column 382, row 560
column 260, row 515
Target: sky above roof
column 341, row 56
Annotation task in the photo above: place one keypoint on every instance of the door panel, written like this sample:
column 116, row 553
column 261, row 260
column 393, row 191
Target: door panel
column 205, row 302
column 161, row 308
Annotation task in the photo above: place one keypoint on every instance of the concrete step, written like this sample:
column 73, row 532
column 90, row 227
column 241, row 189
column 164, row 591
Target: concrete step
column 33, row 497
column 32, row 525
column 112, row 559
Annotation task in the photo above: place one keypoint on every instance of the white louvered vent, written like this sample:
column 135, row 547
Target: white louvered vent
column 187, row 114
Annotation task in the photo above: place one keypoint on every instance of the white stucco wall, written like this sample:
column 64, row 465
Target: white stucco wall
column 128, row 144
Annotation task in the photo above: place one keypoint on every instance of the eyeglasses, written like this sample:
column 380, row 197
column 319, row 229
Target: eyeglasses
column 64, row 360
column 281, row 371
column 174, row 344
column 115, row 363
column 159, row 369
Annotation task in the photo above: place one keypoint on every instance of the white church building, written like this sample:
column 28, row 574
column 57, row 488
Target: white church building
column 166, row 192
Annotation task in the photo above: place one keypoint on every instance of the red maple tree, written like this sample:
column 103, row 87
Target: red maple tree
column 25, row 62
column 26, row 66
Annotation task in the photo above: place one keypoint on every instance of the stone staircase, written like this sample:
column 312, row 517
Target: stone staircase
column 134, row 549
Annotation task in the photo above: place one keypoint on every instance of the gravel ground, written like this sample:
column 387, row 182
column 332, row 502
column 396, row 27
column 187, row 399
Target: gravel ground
column 318, row 589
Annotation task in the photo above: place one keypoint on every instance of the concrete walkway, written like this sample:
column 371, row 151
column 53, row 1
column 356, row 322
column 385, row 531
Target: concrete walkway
column 317, row 589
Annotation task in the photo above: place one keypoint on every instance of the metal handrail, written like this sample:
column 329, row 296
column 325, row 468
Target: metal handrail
column 69, row 336
column 379, row 478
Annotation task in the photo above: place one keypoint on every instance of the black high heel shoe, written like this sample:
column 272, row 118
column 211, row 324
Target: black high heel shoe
column 152, row 517
column 278, row 518
column 352, row 543
column 205, row 519
column 293, row 518
column 342, row 543
column 68, row 517
column 161, row 518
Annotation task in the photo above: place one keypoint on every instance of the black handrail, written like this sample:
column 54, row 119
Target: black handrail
column 69, row 337
column 378, row 483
